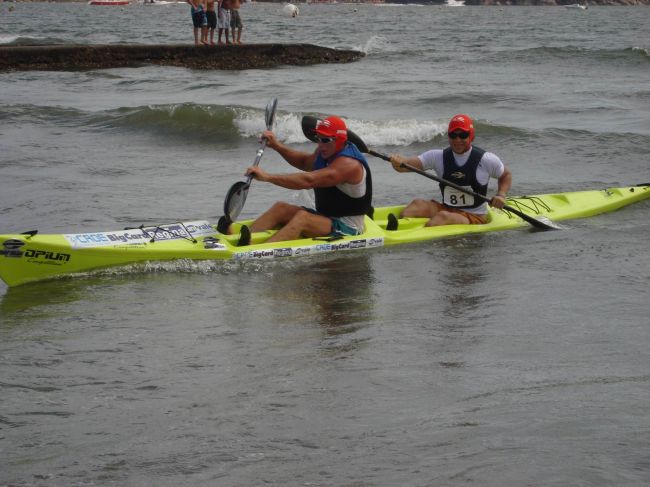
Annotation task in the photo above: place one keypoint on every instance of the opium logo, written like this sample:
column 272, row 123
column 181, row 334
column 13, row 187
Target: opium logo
column 44, row 256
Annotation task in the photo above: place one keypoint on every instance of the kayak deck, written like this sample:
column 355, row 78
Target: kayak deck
column 32, row 257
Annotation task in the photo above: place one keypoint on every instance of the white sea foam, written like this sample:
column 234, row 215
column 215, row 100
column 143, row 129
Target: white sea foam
column 396, row 132
column 288, row 129
column 287, row 126
column 8, row 38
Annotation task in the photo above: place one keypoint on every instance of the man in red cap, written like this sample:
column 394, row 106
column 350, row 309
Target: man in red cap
column 460, row 163
column 340, row 177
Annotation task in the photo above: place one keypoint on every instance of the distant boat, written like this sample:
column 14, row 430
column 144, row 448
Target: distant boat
column 577, row 5
column 455, row 3
column 109, row 2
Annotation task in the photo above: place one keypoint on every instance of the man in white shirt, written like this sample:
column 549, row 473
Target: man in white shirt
column 462, row 164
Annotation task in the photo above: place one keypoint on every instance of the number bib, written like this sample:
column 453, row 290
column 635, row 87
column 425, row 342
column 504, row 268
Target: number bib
column 453, row 197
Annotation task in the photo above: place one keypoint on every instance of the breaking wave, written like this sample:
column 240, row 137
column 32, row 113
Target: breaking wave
column 635, row 55
column 233, row 124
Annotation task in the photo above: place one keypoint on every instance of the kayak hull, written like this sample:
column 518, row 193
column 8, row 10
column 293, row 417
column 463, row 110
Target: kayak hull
column 28, row 258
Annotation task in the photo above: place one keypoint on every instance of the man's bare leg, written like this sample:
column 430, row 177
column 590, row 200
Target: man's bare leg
column 303, row 224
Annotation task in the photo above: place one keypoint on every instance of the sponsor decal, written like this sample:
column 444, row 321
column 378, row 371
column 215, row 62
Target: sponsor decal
column 312, row 249
column 302, row 251
column 261, row 254
column 212, row 243
column 46, row 257
column 341, row 246
column 172, row 231
column 284, row 252
column 326, row 247
column 458, row 175
column 11, row 248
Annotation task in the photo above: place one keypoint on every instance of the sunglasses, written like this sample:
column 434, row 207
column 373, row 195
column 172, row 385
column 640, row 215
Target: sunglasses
column 324, row 140
column 456, row 135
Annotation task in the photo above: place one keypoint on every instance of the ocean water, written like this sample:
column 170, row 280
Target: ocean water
column 509, row 359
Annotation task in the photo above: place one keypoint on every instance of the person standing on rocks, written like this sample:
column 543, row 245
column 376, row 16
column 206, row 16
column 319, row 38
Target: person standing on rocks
column 199, row 20
column 235, row 20
column 224, row 19
column 211, row 17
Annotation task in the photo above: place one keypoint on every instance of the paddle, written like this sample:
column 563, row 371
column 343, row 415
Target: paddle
column 308, row 128
column 236, row 196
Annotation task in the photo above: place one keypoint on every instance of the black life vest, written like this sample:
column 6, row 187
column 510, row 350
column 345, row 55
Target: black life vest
column 464, row 175
column 335, row 203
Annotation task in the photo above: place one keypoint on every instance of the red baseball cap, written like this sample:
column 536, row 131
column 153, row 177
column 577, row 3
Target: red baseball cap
column 332, row 127
column 462, row 122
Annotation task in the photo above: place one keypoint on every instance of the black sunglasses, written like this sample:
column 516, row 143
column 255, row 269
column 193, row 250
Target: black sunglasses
column 456, row 135
column 324, row 140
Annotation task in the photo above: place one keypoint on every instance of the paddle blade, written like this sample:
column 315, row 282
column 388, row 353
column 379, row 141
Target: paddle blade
column 236, row 196
column 269, row 116
column 356, row 140
column 235, row 200
column 308, row 125
column 544, row 223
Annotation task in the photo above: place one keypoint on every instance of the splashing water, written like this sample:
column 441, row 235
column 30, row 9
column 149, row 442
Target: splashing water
column 374, row 44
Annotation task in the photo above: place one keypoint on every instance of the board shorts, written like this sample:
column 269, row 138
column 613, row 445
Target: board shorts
column 198, row 18
column 473, row 218
column 338, row 227
column 235, row 20
column 224, row 18
column 211, row 17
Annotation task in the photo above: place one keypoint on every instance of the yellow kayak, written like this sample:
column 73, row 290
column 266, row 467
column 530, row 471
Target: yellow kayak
column 33, row 257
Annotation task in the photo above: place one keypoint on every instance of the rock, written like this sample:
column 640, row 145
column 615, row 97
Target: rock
column 227, row 57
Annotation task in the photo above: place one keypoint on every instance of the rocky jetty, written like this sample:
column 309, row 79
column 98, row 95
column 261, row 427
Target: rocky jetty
column 227, row 57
